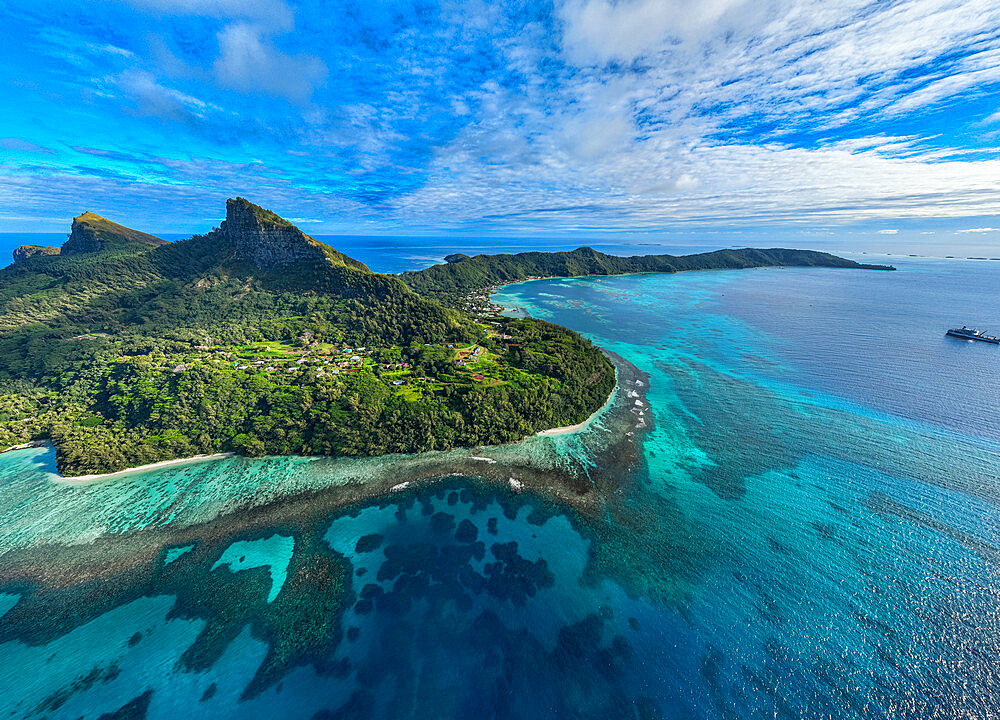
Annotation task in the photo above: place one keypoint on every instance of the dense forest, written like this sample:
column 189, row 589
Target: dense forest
column 462, row 274
column 257, row 339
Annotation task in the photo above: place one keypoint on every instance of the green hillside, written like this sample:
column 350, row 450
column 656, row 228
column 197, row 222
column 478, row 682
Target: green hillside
column 258, row 339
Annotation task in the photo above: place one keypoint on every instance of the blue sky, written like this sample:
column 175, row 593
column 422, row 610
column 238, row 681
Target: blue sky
column 646, row 117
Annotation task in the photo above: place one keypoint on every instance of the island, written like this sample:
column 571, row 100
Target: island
column 124, row 350
column 461, row 275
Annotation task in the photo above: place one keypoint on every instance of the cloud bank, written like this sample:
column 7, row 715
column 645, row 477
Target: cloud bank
column 583, row 115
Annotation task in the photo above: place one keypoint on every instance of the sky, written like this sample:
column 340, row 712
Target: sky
column 635, row 118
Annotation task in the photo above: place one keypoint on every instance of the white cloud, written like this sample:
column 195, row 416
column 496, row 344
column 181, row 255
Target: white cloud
column 979, row 230
column 152, row 98
column 600, row 30
column 782, row 58
column 249, row 59
column 249, row 62
column 888, row 232
column 623, row 114
column 716, row 183
column 111, row 50
column 649, row 142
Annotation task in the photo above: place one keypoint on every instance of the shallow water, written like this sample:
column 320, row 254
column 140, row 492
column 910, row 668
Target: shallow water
column 814, row 535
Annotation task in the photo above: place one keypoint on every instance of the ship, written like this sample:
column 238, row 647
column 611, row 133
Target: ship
column 971, row 334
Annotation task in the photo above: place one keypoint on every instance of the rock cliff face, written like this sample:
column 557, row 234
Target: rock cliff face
column 92, row 233
column 267, row 240
column 28, row 251
column 264, row 239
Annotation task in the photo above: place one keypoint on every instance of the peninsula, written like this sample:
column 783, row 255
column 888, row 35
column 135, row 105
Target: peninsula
column 257, row 339
column 461, row 274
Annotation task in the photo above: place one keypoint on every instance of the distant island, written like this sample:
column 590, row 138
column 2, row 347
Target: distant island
column 461, row 274
column 255, row 338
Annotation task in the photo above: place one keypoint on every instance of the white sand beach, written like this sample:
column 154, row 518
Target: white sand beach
column 142, row 468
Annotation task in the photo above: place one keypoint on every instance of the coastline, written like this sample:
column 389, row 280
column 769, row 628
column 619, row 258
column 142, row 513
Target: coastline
column 565, row 429
column 493, row 289
column 583, row 471
column 26, row 446
column 83, row 479
column 583, row 467
column 550, row 432
column 79, row 479
column 568, row 429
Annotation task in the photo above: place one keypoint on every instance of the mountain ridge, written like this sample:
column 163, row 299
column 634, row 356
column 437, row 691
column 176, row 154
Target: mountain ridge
column 461, row 273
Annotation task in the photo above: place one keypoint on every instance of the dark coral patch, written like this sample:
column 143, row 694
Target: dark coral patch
column 368, row 543
column 467, row 532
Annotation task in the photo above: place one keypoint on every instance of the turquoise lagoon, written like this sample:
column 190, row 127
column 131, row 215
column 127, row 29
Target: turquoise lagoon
column 814, row 534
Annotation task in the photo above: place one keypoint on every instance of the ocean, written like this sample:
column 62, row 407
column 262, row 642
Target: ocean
column 812, row 534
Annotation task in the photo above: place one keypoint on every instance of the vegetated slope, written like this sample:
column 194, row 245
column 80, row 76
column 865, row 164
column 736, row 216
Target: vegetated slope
column 463, row 273
column 259, row 339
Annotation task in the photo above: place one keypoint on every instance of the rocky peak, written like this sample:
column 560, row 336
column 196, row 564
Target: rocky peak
column 93, row 233
column 24, row 252
column 266, row 240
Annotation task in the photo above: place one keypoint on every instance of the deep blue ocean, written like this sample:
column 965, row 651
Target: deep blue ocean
column 815, row 535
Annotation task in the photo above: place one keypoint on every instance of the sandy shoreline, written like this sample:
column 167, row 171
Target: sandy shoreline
column 75, row 479
column 142, row 468
column 26, row 446
column 565, row 428
column 82, row 479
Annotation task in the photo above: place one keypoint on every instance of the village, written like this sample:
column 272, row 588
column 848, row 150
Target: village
column 478, row 302
column 471, row 363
